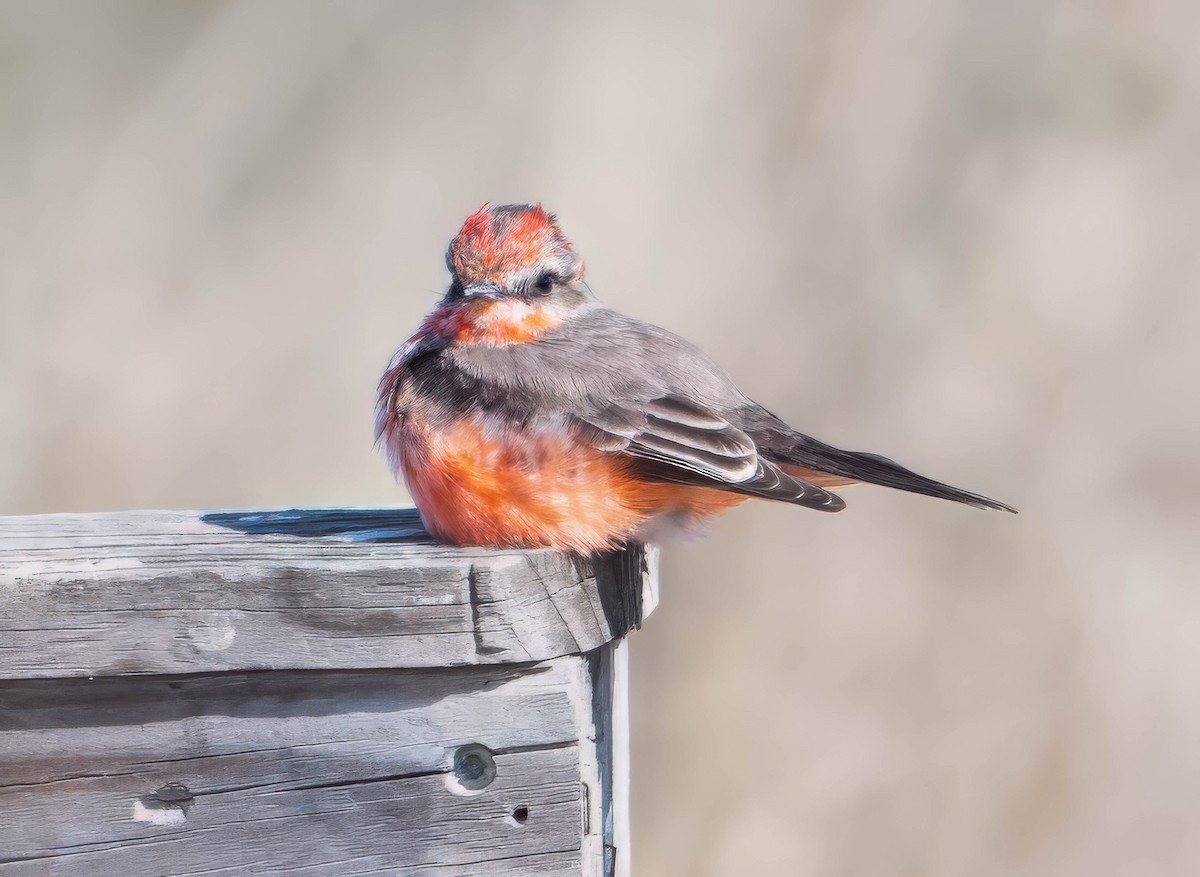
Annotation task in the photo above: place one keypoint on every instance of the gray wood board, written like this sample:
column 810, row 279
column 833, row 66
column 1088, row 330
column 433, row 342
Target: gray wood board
column 314, row 773
column 186, row 592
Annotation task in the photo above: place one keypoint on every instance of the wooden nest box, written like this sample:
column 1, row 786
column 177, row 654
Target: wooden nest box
column 310, row 693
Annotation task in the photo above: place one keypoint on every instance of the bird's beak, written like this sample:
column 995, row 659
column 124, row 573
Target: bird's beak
column 481, row 290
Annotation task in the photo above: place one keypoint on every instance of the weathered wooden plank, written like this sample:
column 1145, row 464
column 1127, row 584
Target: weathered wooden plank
column 49, row 727
column 405, row 821
column 537, row 865
column 185, row 592
column 310, row 773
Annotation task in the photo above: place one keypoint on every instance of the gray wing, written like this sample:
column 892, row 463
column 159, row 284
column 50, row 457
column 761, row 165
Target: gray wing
column 639, row 390
column 678, row 440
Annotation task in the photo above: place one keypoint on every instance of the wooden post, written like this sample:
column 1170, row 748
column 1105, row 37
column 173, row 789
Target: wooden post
column 310, row 692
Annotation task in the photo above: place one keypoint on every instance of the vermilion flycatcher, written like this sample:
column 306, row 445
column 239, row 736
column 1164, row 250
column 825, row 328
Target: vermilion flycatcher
column 524, row 413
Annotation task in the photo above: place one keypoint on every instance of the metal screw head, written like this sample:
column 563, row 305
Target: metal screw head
column 474, row 767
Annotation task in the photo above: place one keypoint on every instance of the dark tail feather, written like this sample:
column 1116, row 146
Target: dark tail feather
column 874, row 469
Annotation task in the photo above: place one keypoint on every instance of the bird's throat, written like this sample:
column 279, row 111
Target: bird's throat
column 493, row 323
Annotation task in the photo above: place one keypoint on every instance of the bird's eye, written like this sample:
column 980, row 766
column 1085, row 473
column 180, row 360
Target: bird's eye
column 544, row 282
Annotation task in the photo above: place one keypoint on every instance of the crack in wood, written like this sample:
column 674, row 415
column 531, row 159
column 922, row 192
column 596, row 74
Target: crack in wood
column 65, row 779
column 576, row 646
column 481, row 646
column 343, row 784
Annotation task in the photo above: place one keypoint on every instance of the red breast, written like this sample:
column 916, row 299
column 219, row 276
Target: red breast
column 482, row 483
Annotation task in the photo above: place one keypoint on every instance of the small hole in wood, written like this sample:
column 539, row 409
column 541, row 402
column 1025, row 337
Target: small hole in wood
column 520, row 815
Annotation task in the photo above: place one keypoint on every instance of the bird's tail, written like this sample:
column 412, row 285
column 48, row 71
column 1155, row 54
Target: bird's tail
column 827, row 466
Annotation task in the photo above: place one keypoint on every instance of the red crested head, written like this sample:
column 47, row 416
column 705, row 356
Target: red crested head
column 502, row 245
column 516, row 278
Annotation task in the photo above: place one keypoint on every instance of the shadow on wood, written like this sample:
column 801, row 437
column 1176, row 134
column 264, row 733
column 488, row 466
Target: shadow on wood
column 354, row 525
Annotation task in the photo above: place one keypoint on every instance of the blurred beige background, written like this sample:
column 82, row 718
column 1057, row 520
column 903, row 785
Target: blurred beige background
column 960, row 233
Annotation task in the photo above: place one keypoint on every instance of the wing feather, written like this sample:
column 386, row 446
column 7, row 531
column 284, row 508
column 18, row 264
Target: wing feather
column 680, row 441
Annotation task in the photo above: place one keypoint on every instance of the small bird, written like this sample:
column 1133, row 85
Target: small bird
column 523, row 413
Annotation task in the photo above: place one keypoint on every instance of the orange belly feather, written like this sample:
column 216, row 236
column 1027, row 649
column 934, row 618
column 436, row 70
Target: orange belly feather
column 490, row 484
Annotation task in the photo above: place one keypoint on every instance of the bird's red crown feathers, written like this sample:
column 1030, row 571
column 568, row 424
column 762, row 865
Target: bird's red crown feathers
column 496, row 241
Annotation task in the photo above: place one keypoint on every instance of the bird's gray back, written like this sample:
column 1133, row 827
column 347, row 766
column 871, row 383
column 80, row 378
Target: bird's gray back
column 599, row 358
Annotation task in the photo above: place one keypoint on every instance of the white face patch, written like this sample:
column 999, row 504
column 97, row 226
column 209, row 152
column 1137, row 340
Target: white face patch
column 509, row 311
column 516, row 316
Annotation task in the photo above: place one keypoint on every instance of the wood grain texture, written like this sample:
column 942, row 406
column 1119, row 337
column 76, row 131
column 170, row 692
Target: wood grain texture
column 316, row 773
column 188, row 592
column 306, row 692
